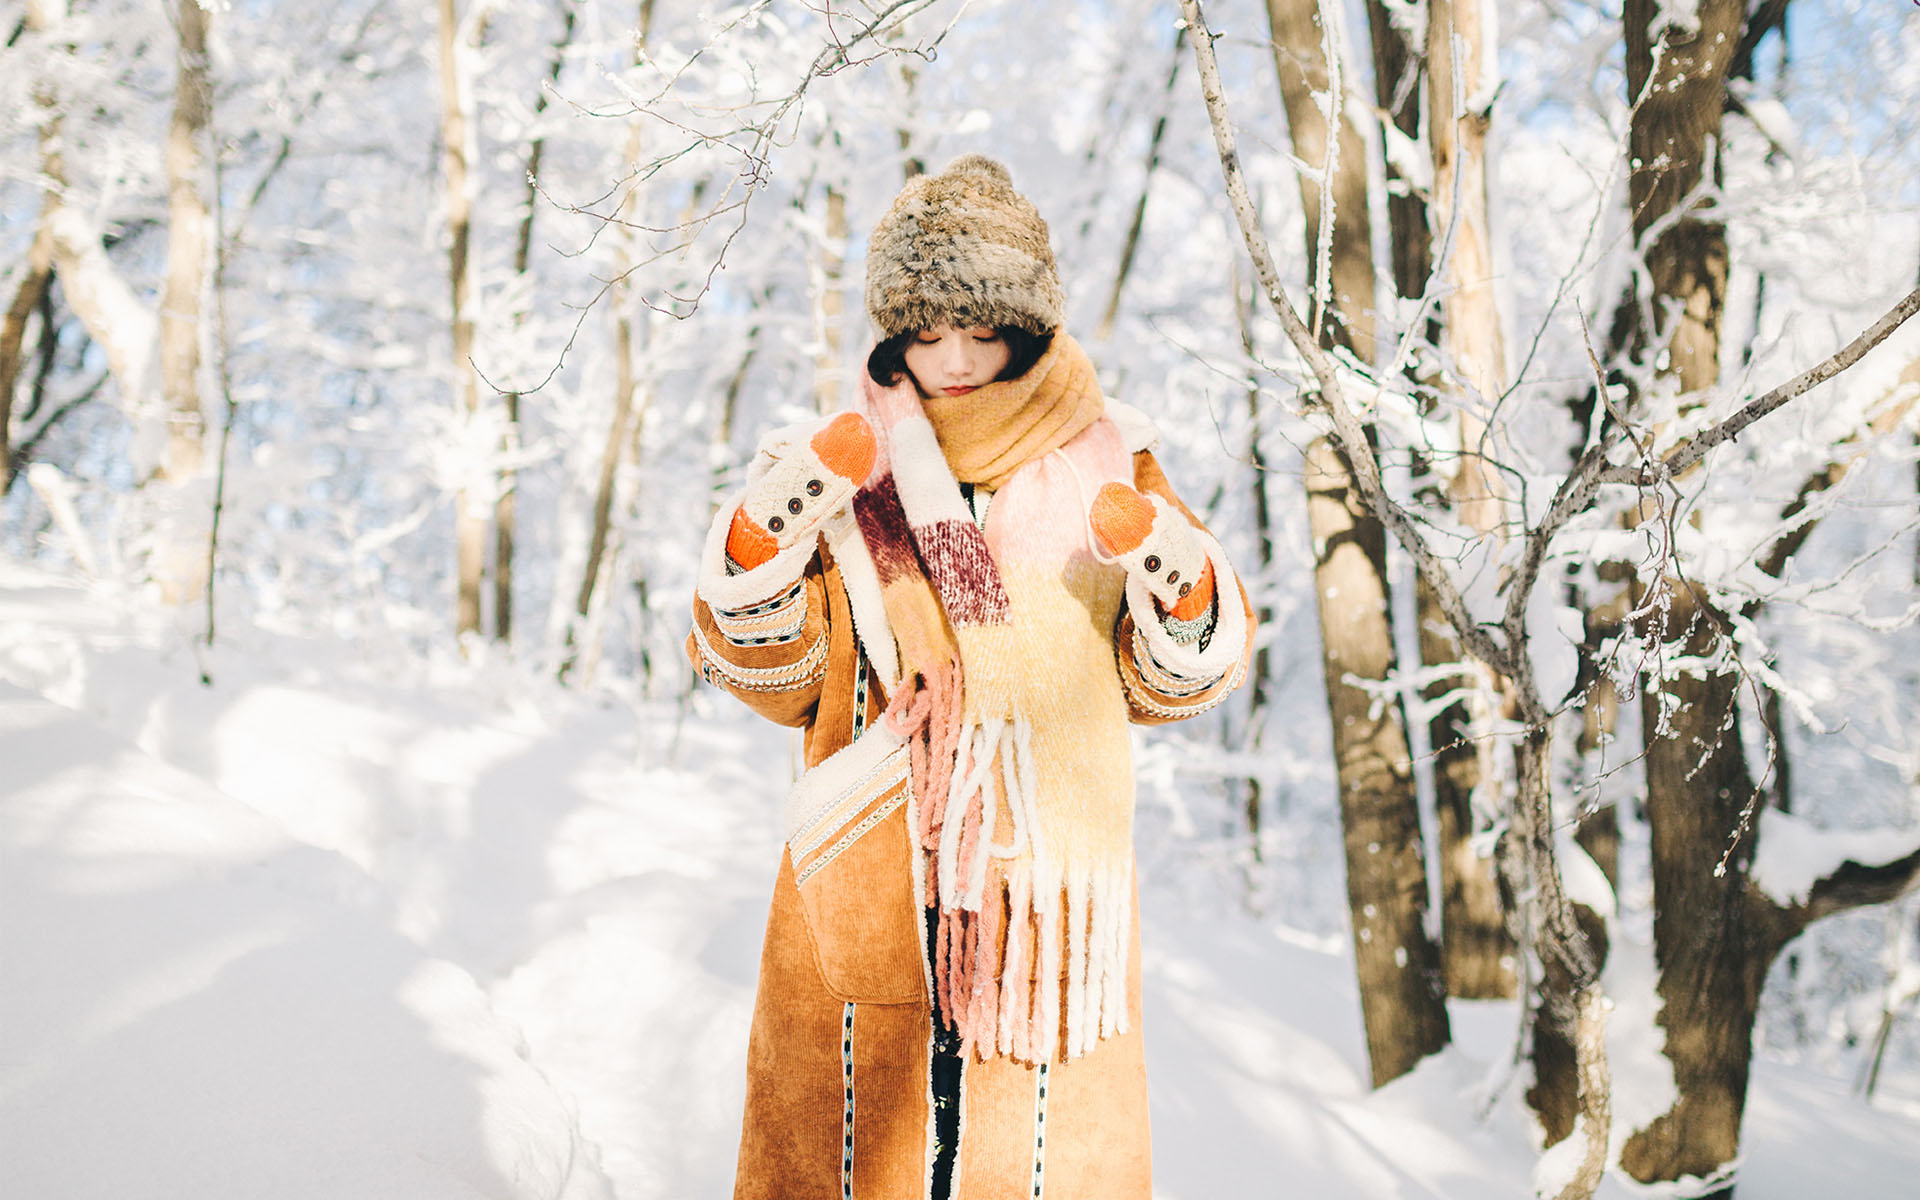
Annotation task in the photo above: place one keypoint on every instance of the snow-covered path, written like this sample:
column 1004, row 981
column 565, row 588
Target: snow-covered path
column 198, row 1005
column 344, row 925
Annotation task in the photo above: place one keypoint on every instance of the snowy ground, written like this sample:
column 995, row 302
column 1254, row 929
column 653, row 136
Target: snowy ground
column 344, row 924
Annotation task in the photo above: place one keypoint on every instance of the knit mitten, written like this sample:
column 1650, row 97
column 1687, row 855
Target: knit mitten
column 797, row 485
column 1155, row 542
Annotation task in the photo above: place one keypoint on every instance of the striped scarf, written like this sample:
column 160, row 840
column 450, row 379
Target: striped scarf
column 1009, row 699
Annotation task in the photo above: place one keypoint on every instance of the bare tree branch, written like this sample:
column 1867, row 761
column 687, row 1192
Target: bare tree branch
column 752, row 141
column 1696, row 448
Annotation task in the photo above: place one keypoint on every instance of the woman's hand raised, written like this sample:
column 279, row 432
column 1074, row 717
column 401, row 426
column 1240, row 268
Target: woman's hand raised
column 795, row 484
column 1155, row 542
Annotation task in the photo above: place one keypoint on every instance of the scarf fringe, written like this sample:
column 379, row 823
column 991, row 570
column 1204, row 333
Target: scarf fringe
column 1002, row 934
column 998, row 968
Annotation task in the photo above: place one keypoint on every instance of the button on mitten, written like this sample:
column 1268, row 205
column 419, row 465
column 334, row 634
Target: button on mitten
column 796, row 485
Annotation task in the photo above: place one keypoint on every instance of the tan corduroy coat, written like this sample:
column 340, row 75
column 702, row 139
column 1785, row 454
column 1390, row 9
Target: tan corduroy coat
column 838, row 1095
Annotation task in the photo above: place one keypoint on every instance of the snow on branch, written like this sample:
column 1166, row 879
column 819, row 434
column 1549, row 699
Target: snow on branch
column 1815, row 873
column 1691, row 451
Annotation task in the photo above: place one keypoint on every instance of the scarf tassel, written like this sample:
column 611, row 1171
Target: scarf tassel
column 1001, row 935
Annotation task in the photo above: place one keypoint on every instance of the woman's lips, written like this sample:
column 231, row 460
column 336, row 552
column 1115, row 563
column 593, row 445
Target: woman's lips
column 958, row 391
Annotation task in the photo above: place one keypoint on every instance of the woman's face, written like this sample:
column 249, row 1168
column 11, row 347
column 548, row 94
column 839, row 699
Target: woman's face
column 947, row 361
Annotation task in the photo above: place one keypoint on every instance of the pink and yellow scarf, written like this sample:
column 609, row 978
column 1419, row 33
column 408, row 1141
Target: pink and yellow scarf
column 1009, row 698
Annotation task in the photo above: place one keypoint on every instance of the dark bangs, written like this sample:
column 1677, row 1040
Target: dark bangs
column 888, row 362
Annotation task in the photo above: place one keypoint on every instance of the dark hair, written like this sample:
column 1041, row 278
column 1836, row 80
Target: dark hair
column 888, row 362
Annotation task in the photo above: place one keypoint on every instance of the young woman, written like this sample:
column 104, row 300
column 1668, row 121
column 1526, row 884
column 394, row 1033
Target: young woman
column 962, row 590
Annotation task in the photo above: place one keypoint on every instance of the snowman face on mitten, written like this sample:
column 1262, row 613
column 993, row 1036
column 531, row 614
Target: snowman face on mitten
column 1156, row 544
column 797, row 485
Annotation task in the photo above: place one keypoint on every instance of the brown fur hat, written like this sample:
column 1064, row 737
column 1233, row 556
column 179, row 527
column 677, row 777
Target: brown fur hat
column 962, row 247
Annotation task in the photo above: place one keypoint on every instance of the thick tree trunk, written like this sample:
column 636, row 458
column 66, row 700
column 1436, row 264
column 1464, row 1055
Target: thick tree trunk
column 180, row 561
column 1396, row 87
column 1403, row 998
column 1402, row 995
column 187, row 223
column 1712, row 941
column 456, row 156
column 1476, row 946
column 1340, row 273
column 1473, row 345
column 1673, row 136
column 1473, row 354
column 1715, row 937
column 1710, row 944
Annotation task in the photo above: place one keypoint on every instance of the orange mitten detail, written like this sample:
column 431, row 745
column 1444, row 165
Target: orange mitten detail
column 748, row 545
column 846, row 447
column 1121, row 518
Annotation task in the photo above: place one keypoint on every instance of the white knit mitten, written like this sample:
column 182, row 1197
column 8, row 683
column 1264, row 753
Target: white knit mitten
column 794, row 485
column 1158, row 545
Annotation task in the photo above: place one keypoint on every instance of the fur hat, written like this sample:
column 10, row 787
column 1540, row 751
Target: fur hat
column 962, row 247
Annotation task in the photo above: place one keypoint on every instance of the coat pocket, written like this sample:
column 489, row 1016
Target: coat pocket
column 853, row 862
